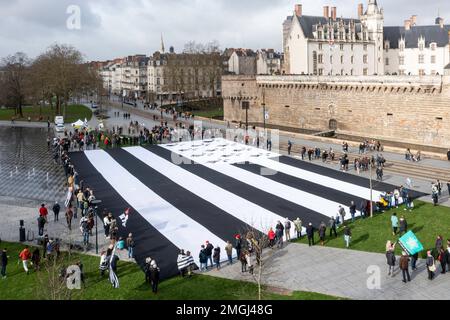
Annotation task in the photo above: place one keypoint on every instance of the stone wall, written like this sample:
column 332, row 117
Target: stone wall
column 409, row 109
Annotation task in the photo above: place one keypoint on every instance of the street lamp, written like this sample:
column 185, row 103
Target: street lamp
column 371, row 189
column 95, row 203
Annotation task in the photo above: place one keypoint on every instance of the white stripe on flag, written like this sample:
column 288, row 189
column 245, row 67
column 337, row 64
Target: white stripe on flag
column 319, row 204
column 176, row 226
column 319, row 179
column 248, row 212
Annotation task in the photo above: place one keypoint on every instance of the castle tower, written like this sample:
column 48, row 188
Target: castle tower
column 373, row 19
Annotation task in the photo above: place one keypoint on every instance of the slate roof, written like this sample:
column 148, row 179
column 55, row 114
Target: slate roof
column 307, row 23
column 431, row 34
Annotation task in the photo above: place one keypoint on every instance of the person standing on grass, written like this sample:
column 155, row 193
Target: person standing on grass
column 298, row 227
column 229, row 251
column 342, row 214
column 4, row 262
column 404, row 266
column 394, row 223
column 287, row 229
column 322, row 233
column 403, row 225
column 353, row 210
column 36, row 259
column 431, row 266
column 332, row 225
column 24, row 256
column 216, row 257
column 310, row 234
column 56, row 208
column 347, row 236
column 154, row 276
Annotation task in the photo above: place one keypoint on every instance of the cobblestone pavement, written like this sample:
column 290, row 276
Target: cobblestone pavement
column 28, row 211
column 27, row 169
column 344, row 273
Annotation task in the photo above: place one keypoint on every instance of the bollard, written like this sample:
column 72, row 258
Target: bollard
column 47, row 177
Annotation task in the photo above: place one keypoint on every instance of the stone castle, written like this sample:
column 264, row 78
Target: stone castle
column 409, row 109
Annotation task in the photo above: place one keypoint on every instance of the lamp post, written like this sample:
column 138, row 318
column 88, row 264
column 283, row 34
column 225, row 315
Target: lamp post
column 96, row 202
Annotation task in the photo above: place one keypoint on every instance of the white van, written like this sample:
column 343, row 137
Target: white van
column 59, row 124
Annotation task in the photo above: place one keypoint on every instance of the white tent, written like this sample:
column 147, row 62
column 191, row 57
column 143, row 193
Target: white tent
column 78, row 124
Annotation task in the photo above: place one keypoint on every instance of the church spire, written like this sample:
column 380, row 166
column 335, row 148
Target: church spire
column 162, row 44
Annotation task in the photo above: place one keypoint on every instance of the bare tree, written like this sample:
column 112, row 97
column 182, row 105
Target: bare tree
column 259, row 241
column 15, row 68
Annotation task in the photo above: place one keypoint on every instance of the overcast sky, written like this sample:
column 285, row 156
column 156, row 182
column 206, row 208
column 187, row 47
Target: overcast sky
column 115, row 28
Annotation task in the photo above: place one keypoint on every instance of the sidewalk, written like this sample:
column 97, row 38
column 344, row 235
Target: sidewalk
column 342, row 273
column 12, row 214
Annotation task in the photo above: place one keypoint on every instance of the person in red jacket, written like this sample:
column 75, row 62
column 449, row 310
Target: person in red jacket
column 271, row 236
column 25, row 255
column 43, row 212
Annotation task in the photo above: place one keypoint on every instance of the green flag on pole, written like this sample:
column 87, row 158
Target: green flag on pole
column 410, row 243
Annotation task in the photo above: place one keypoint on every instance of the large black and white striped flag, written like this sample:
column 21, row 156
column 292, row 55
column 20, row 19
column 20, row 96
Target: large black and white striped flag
column 231, row 188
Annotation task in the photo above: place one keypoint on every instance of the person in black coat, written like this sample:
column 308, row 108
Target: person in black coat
column 310, row 234
column 154, row 276
column 448, row 155
column 238, row 245
column 209, row 251
column 4, row 263
column 56, row 208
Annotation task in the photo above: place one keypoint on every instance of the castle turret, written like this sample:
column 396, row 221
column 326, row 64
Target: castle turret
column 373, row 19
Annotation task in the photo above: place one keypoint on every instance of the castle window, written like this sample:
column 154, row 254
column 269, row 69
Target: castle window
column 365, row 47
column 433, row 46
column 342, row 59
column 401, row 60
column 421, row 58
column 320, row 58
column 401, row 72
column 387, row 61
column 351, row 47
column 341, row 47
column 319, row 34
column 320, row 72
column 320, row 46
column 365, row 58
column 421, row 46
column 365, row 71
column 352, row 59
column 331, row 59
column 421, row 72
column 433, row 59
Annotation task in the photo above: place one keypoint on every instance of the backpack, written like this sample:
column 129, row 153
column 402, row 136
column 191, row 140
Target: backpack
column 288, row 225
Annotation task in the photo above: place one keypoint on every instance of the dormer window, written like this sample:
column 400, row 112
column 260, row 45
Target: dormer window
column 401, row 46
column 421, row 46
column 319, row 34
column 433, row 46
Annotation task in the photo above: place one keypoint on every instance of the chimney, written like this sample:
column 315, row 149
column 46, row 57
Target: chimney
column 298, row 10
column 326, row 12
column 413, row 20
column 407, row 24
column 441, row 23
column 333, row 13
column 360, row 10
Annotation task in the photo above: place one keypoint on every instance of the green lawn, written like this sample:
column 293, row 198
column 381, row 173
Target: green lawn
column 213, row 113
column 73, row 113
column 19, row 286
column 371, row 234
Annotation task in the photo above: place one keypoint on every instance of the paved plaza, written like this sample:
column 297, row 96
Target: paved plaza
column 344, row 273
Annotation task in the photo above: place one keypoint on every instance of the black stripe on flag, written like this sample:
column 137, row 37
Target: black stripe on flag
column 303, row 185
column 219, row 222
column 268, row 201
column 343, row 176
column 149, row 241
